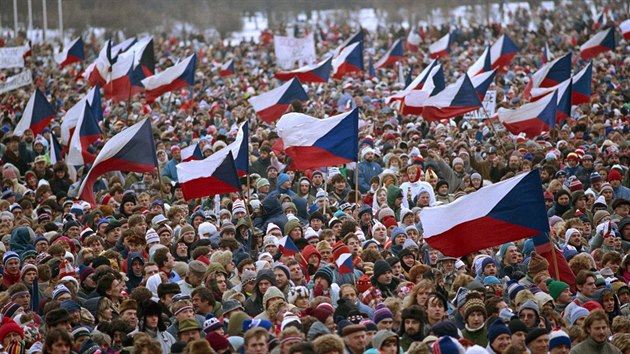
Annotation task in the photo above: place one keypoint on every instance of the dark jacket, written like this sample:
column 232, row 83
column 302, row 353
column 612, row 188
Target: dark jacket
column 272, row 214
column 254, row 305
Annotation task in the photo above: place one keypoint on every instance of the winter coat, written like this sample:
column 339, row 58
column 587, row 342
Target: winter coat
column 20, row 241
column 393, row 192
column 254, row 304
column 170, row 170
column 367, row 170
column 589, row 346
column 273, row 214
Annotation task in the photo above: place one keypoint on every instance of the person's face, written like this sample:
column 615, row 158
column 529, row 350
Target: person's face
column 528, row 317
column 608, row 194
column 336, row 228
column 396, row 269
column 539, row 345
column 318, row 179
column 589, row 287
column 563, row 200
column 422, row 296
column 412, row 326
column 41, row 246
column 575, row 239
column 116, row 290
column 152, row 321
column 385, row 278
column 356, row 341
column 272, row 173
column 349, row 293
column 221, row 283
column 79, row 342
column 624, row 297
column 475, row 319
column 281, row 278
column 599, row 331
column 562, row 349
column 59, row 347
column 296, row 273
column 380, row 232
column 609, row 303
column 385, row 324
column 13, row 266
column 29, row 277
column 435, row 309
column 340, row 185
column 131, row 317
column 256, row 346
column 501, row 342
column 263, row 285
column 518, row 338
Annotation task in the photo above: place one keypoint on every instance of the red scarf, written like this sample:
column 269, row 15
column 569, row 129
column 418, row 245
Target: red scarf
column 10, row 279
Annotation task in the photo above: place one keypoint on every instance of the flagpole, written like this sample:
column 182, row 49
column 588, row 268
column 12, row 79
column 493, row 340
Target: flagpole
column 157, row 165
column 325, row 195
column 494, row 129
column 356, row 181
column 553, row 255
column 129, row 93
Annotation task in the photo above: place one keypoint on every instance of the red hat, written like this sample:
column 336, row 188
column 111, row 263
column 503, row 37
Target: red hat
column 340, row 249
column 389, row 221
column 592, row 306
column 9, row 326
column 217, row 341
column 576, row 185
column 573, row 156
column 364, row 284
column 614, row 175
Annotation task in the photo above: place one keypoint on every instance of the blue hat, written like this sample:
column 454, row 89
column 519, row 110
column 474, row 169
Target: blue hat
column 496, row 329
column 253, row 323
column 577, row 313
column 7, row 256
column 491, row 280
column 70, row 306
column 558, row 338
column 283, row 177
column 397, row 231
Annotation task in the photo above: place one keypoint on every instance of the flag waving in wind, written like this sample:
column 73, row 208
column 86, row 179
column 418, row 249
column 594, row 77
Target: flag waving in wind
column 271, row 105
column 319, row 72
column 503, row 212
column 37, row 114
column 441, row 47
column 174, row 78
column 312, row 142
column 531, row 118
column 215, row 174
column 287, row 246
column 73, row 53
column 392, row 56
column 601, row 42
column 344, row 263
column 455, row 100
column 133, row 149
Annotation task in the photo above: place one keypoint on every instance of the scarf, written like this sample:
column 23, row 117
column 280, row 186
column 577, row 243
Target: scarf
column 10, row 279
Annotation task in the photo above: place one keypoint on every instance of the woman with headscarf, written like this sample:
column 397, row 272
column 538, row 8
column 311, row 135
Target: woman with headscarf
column 414, row 185
column 561, row 204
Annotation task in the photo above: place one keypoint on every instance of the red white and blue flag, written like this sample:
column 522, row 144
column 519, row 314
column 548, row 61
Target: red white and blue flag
column 546, row 54
column 417, row 83
column 76, row 112
column 549, row 75
column 319, row 72
column 531, row 118
column 133, row 150
column 441, row 47
column 482, row 82
column 313, row 143
column 344, row 263
column 240, row 149
column 86, row 133
column 348, row 61
column 174, row 78
column 287, row 246
column 625, row 29
column 502, row 52
column 503, row 212
column 54, row 153
column 392, row 56
column 143, row 56
column 191, row 152
column 601, row 42
column 355, row 38
column 36, row 116
column 599, row 20
column 124, row 81
column 455, row 100
column 72, row 53
column 213, row 175
column 563, row 109
column 99, row 71
column 482, row 65
column 413, row 40
column 581, row 90
column 413, row 101
column 227, row 68
column 271, row 105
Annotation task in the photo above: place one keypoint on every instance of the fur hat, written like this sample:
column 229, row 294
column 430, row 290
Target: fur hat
column 537, row 264
column 222, row 257
column 414, row 312
column 56, row 316
column 129, row 304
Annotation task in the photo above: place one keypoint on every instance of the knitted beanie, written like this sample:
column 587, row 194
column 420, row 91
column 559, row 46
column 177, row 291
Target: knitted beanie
column 325, row 272
column 485, row 262
column 559, row 338
column 556, row 287
column 381, row 267
column 534, row 334
column 496, row 329
column 474, row 303
column 513, row 289
column 447, row 345
column 517, row 325
column 445, row 328
column 382, row 312
column 577, row 313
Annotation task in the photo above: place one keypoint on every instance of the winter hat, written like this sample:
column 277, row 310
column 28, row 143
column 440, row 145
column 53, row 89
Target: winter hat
column 569, row 233
column 8, row 256
column 559, row 338
column 457, row 160
column 289, row 317
column 577, row 313
column 491, row 280
column 10, row 309
column 513, row 289
column 56, row 316
column 152, row 237
column 211, row 324
column 556, row 287
column 322, row 312
column 485, row 262
column 447, row 345
column 472, row 304
column 537, row 264
column 283, row 177
column 534, row 334
column 445, row 328
column 297, row 292
column 238, row 207
column 592, row 305
column 217, row 341
column 614, row 175
column 496, row 329
column 231, row 305
column 382, row 312
column 9, row 326
column 381, row 267
column 595, row 177
column 59, row 290
column 517, row 325
column 599, row 216
column 325, row 272
column 222, row 257
column 529, row 304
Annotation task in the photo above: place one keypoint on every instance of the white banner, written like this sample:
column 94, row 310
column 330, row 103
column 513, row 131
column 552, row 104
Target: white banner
column 12, row 57
column 289, row 50
column 489, row 103
column 16, row 81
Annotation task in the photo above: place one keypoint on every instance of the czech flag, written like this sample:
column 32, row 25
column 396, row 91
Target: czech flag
column 441, row 47
column 344, row 263
column 581, row 90
column 124, row 45
column 415, row 84
column 455, row 100
column 563, row 110
column 287, row 246
column 133, row 150
column 349, row 60
column 355, row 38
column 88, row 132
column 371, row 70
column 502, row 52
column 601, row 42
column 55, row 150
column 531, row 118
column 240, row 149
column 124, row 81
column 625, row 29
column 76, row 113
column 546, row 249
column 73, row 53
column 271, row 105
column 482, row 82
column 413, row 41
column 503, row 212
column 482, row 65
column 319, row 72
column 191, row 153
column 143, row 55
column 549, row 75
column 215, row 174
column 98, row 72
column 37, row 114
column 392, row 56
column 227, row 68
column 413, row 101
column 313, row 143
column 599, row 21
column 174, row 78
column 546, row 54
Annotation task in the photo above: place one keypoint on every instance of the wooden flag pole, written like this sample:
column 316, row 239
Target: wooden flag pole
column 356, row 182
column 553, row 255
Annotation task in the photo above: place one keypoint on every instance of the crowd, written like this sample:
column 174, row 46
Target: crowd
column 146, row 271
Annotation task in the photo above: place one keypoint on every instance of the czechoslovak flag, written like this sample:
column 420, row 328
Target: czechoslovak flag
column 287, row 246
column 73, row 53
column 313, row 143
column 441, row 47
column 37, row 114
column 227, row 68
column 344, row 263
column 416, row 84
column 271, row 105
column 413, row 40
column 349, row 60
column 503, row 212
column 581, row 90
column 625, row 29
column 502, row 52
column 392, row 56
column 531, row 118
column 319, row 72
column 601, row 42
column 482, row 82
column 215, row 174
column 174, row 78
column 455, row 100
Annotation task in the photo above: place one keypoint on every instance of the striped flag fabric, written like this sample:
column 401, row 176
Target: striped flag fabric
column 319, row 72
column 213, row 175
column 75, row 113
column 287, row 246
column 174, row 78
column 37, row 115
column 348, row 61
column 531, row 118
column 601, row 42
column 344, row 263
column 441, row 47
column 72, row 53
column 86, row 133
column 392, row 56
column 581, row 88
column 455, row 100
column 271, row 105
